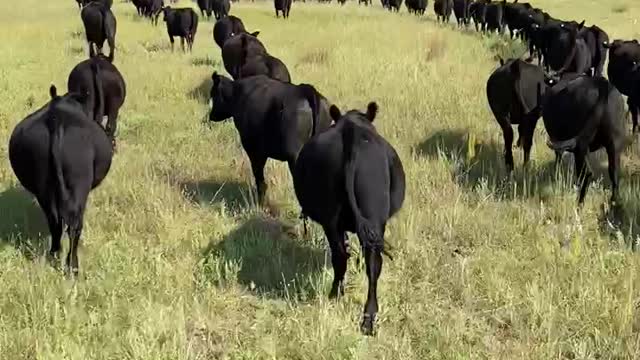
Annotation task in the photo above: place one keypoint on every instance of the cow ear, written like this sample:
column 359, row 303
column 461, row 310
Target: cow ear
column 53, row 92
column 335, row 113
column 255, row 33
column 581, row 25
column 372, row 111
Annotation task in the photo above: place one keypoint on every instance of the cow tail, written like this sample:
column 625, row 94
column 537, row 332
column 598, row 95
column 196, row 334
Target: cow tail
column 596, row 112
column 98, row 107
column 311, row 95
column 56, row 134
column 370, row 238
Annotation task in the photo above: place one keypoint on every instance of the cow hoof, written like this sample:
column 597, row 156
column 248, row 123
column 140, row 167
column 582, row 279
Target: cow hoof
column 367, row 325
column 71, row 273
column 53, row 260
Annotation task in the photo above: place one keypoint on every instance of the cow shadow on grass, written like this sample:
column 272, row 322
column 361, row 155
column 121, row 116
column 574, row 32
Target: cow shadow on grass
column 266, row 256
column 202, row 93
column 479, row 165
column 22, row 223
column 236, row 196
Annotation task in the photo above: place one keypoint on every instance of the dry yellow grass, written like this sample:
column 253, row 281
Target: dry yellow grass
column 177, row 262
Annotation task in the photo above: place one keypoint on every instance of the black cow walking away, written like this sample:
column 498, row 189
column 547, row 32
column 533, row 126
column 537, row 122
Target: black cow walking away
column 494, row 17
column 99, row 25
column 393, row 5
column 512, row 95
column 624, row 57
column 154, row 9
column 82, row 3
column 417, row 7
column 105, row 91
column 206, row 8
column 350, row 179
column 583, row 114
column 461, row 11
column 238, row 48
column 443, row 9
column 284, row 6
column 181, row 22
column 226, row 28
column 261, row 64
column 478, row 11
column 221, row 8
column 274, row 119
column 60, row 155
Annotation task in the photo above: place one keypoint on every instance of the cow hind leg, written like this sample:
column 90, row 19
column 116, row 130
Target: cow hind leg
column 614, row 164
column 76, row 219
column 339, row 257
column 257, row 166
column 507, row 133
column 634, row 108
column 56, row 226
column 373, row 260
column 526, row 135
column 112, row 126
column 582, row 172
column 182, row 43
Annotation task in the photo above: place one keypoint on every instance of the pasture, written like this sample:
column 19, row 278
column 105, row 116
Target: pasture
column 178, row 262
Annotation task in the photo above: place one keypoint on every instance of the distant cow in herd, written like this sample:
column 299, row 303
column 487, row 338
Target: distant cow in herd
column 59, row 155
column 100, row 26
column 182, row 22
column 350, row 179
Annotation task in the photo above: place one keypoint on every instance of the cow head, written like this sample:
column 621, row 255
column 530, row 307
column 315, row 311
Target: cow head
column 166, row 12
column 221, row 102
column 364, row 119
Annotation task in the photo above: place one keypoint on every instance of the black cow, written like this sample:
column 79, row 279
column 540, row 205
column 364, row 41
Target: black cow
column 60, row 155
column 533, row 33
column 284, row 6
column 624, row 57
column 515, row 15
column 105, row 91
column 478, row 11
column 226, row 28
column 461, row 11
column 494, row 17
column 261, row 64
column 583, row 114
column 206, row 8
column 99, row 25
column 417, row 7
column 82, row 3
column 274, row 119
column 181, row 22
column 393, row 5
column 153, row 10
column 596, row 41
column 350, row 179
column 512, row 95
column 141, row 6
column 568, row 52
column 443, row 9
column 237, row 48
column 221, row 8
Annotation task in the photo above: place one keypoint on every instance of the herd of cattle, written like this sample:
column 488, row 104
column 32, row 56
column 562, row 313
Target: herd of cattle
column 346, row 176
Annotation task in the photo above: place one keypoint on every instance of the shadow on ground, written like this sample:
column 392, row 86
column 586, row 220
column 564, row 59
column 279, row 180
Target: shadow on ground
column 265, row 255
column 235, row 195
column 482, row 164
column 202, row 93
column 23, row 224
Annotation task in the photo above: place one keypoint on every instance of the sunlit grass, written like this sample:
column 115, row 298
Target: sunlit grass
column 177, row 262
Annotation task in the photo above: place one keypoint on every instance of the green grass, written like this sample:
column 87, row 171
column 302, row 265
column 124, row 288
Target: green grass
column 178, row 263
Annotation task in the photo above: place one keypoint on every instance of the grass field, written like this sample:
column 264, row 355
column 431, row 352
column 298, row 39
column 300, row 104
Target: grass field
column 177, row 262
